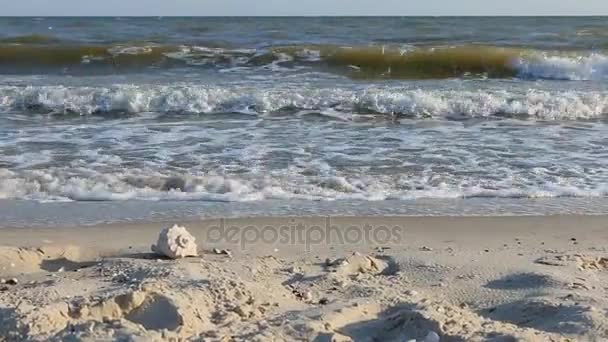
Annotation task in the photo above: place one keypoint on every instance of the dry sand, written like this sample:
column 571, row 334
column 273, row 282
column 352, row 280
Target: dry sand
column 465, row 279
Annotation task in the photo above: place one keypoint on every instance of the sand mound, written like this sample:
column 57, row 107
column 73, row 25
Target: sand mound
column 418, row 321
column 15, row 260
column 137, row 297
column 359, row 264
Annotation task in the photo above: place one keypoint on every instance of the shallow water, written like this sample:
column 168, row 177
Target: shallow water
column 401, row 115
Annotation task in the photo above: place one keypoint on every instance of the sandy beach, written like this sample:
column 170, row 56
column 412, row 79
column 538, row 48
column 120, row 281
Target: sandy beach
column 459, row 279
column 395, row 178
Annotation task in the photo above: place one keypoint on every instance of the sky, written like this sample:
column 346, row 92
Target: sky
column 300, row 7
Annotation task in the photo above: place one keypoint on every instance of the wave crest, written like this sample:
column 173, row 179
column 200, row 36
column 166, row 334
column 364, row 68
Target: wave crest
column 574, row 68
column 29, row 53
column 89, row 185
column 547, row 105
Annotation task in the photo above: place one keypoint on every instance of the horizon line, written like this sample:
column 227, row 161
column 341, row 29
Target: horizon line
column 314, row 16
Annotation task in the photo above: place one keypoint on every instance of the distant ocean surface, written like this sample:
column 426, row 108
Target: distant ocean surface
column 241, row 116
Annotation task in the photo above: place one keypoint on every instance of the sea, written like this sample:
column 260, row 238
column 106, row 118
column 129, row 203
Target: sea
column 121, row 119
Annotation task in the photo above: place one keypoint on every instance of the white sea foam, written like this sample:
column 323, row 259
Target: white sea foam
column 88, row 185
column 436, row 103
column 575, row 68
column 130, row 50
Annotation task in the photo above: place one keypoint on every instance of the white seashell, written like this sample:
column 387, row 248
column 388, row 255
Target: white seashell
column 175, row 242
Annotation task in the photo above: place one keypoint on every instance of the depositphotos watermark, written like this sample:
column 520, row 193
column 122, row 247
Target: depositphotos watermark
column 299, row 233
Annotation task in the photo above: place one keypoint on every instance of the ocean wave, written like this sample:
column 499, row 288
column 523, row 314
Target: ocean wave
column 576, row 68
column 30, row 39
column 15, row 57
column 89, row 185
column 346, row 102
column 452, row 62
column 38, row 52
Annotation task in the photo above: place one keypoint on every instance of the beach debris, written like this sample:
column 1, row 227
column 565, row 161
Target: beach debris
column 175, row 242
column 578, row 286
column 293, row 270
column 301, row 294
column 426, row 249
column 12, row 281
column 323, row 301
column 411, row 293
column 432, row 337
column 222, row 252
column 382, row 249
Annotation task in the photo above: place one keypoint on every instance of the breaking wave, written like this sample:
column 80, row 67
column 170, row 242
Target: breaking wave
column 199, row 99
column 39, row 52
column 88, row 185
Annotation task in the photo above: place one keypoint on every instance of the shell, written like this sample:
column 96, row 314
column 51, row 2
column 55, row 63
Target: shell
column 175, row 242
